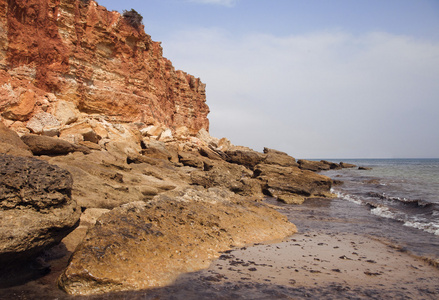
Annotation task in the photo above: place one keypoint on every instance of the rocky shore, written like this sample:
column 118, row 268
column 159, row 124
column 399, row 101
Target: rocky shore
column 138, row 211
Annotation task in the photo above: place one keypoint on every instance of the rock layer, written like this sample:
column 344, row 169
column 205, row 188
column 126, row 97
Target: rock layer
column 80, row 53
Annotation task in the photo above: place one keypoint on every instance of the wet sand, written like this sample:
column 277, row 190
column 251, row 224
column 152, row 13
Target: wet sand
column 337, row 265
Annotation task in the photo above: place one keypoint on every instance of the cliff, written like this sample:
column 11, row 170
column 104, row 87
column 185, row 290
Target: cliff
column 78, row 52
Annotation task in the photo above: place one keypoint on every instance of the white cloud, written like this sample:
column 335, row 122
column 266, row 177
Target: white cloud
column 228, row 3
column 325, row 94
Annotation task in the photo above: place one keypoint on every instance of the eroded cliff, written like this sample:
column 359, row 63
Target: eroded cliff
column 79, row 52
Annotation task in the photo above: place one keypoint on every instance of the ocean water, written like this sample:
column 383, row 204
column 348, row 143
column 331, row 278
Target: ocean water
column 398, row 199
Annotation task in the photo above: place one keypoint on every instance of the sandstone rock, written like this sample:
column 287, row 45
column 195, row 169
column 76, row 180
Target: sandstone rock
column 291, row 184
column 44, row 145
column 156, row 149
column 275, row 157
column 40, row 121
column 36, row 207
column 182, row 132
column 23, row 108
column 235, row 178
column 204, row 136
column 100, row 180
column 10, row 143
column 332, row 165
column 145, row 245
column 152, row 131
column 311, row 165
column 51, row 131
column 78, row 133
column 224, row 144
column 213, row 154
column 123, row 147
column 347, row 166
column 364, row 168
column 246, row 158
column 191, row 159
column 66, row 112
column 166, row 136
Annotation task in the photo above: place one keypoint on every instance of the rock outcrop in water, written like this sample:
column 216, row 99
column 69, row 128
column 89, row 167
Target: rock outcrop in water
column 83, row 90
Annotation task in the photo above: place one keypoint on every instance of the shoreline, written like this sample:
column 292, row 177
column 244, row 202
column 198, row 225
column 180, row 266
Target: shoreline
column 314, row 264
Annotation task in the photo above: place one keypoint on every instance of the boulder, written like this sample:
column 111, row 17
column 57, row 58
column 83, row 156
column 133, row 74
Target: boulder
column 166, row 136
column 36, row 207
column 42, row 120
column 224, row 144
column 235, row 178
column 10, row 143
column 312, row 165
column 152, row 131
column 332, row 165
column 45, row 145
column 156, row 149
column 247, row 158
column 364, row 168
column 78, row 133
column 191, row 159
column 204, row 136
column 347, row 165
column 146, row 245
column 66, row 112
column 291, row 184
column 22, row 108
column 275, row 157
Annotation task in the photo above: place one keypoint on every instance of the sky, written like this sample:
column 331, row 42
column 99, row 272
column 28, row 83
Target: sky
column 313, row 78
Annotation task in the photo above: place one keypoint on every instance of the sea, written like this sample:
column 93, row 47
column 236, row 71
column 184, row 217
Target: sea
column 395, row 200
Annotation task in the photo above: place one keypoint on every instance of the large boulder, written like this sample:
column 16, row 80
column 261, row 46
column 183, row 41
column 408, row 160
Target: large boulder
column 156, row 149
column 276, row 157
column 36, row 208
column 312, row 165
column 45, row 145
column 145, row 245
column 10, row 143
column 235, row 178
column 291, row 184
column 247, row 158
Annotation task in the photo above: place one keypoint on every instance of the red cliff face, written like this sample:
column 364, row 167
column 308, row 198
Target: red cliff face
column 79, row 52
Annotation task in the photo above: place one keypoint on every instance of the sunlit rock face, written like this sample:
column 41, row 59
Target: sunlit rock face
column 77, row 51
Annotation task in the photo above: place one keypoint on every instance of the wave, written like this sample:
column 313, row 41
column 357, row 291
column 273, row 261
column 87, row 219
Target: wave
column 428, row 227
column 412, row 202
column 348, row 197
column 408, row 217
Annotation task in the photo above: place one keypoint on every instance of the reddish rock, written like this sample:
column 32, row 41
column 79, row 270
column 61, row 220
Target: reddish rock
column 95, row 59
column 10, row 143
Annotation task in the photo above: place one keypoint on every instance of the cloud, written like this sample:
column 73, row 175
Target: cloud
column 324, row 94
column 228, row 3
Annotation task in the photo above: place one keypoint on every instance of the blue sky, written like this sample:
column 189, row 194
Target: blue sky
column 317, row 79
